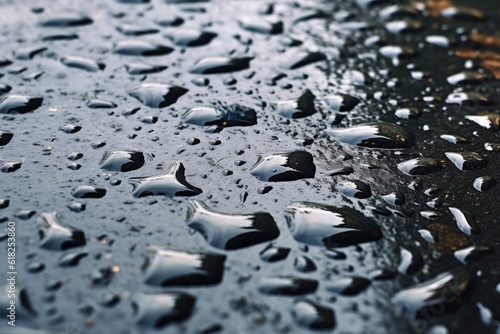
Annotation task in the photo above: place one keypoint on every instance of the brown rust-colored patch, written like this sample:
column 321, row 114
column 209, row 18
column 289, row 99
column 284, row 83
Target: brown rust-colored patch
column 485, row 39
column 489, row 60
column 436, row 6
column 448, row 238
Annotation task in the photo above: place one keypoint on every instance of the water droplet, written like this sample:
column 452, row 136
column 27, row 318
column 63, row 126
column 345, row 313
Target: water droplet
column 484, row 183
column 470, row 99
column 329, row 226
column 82, row 63
column 284, row 166
column 29, row 52
column 373, row 135
column 274, row 254
column 487, row 121
column 304, row 264
column 122, row 161
column 19, row 104
column 157, row 95
column 217, row 65
column 408, row 113
column 355, row 188
column 286, row 285
column 219, row 118
column 462, row 12
column 262, row 26
column 142, row 68
column 162, row 309
column 420, row 166
column 10, row 166
column 89, row 192
column 341, row 102
column 96, row 103
column 454, row 139
column 416, row 300
column 136, row 47
column 466, row 78
column 166, row 268
column 135, row 30
column 348, row 286
column 70, row 128
column 465, row 221
column 396, row 52
column 300, row 59
column 171, row 183
column 5, row 137
column 396, row 198
column 411, row 261
column 471, row 253
column 231, row 231
column 466, row 160
column 297, row 108
column 190, row 37
column 65, row 20
column 71, row 259
column 56, row 236
column 309, row 314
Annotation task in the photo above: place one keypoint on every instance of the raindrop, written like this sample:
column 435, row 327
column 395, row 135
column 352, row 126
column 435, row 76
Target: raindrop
column 65, row 20
column 285, row 166
column 373, row 135
column 218, row 65
column 296, row 108
column 170, row 183
column 484, row 183
column 274, row 254
column 466, row 160
column 348, row 286
column 82, row 63
column 420, row 166
column 157, row 95
column 140, row 48
column 231, row 231
column 355, row 188
column 122, row 161
column 19, row 104
column 329, row 226
column 56, row 236
column 465, row 221
column 418, row 299
column 286, row 285
column 89, row 192
column 190, row 37
column 167, row 268
column 159, row 310
column 309, row 314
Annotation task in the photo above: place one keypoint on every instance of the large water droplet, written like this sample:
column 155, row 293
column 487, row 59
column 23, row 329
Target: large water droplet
column 285, row 166
column 89, row 192
column 348, row 286
column 19, row 104
column 309, row 314
column 171, row 183
column 416, row 300
column 5, row 137
column 465, row 221
column 373, row 135
column 221, row 117
column 287, row 285
column 330, row 226
column 217, row 65
column 65, row 20
column 466, row 160
column 355, row 188
column 82, row 63
column 420, row 166
column 300, row 107
column 137, row 47
column 167, row 267
column 231, row 231
column 190, row 37
column 56, row 236
column 158, row 310
column 122, row 161
column 157, row 95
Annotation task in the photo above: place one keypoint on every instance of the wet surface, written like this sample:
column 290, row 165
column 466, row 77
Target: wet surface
column 251, row 166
